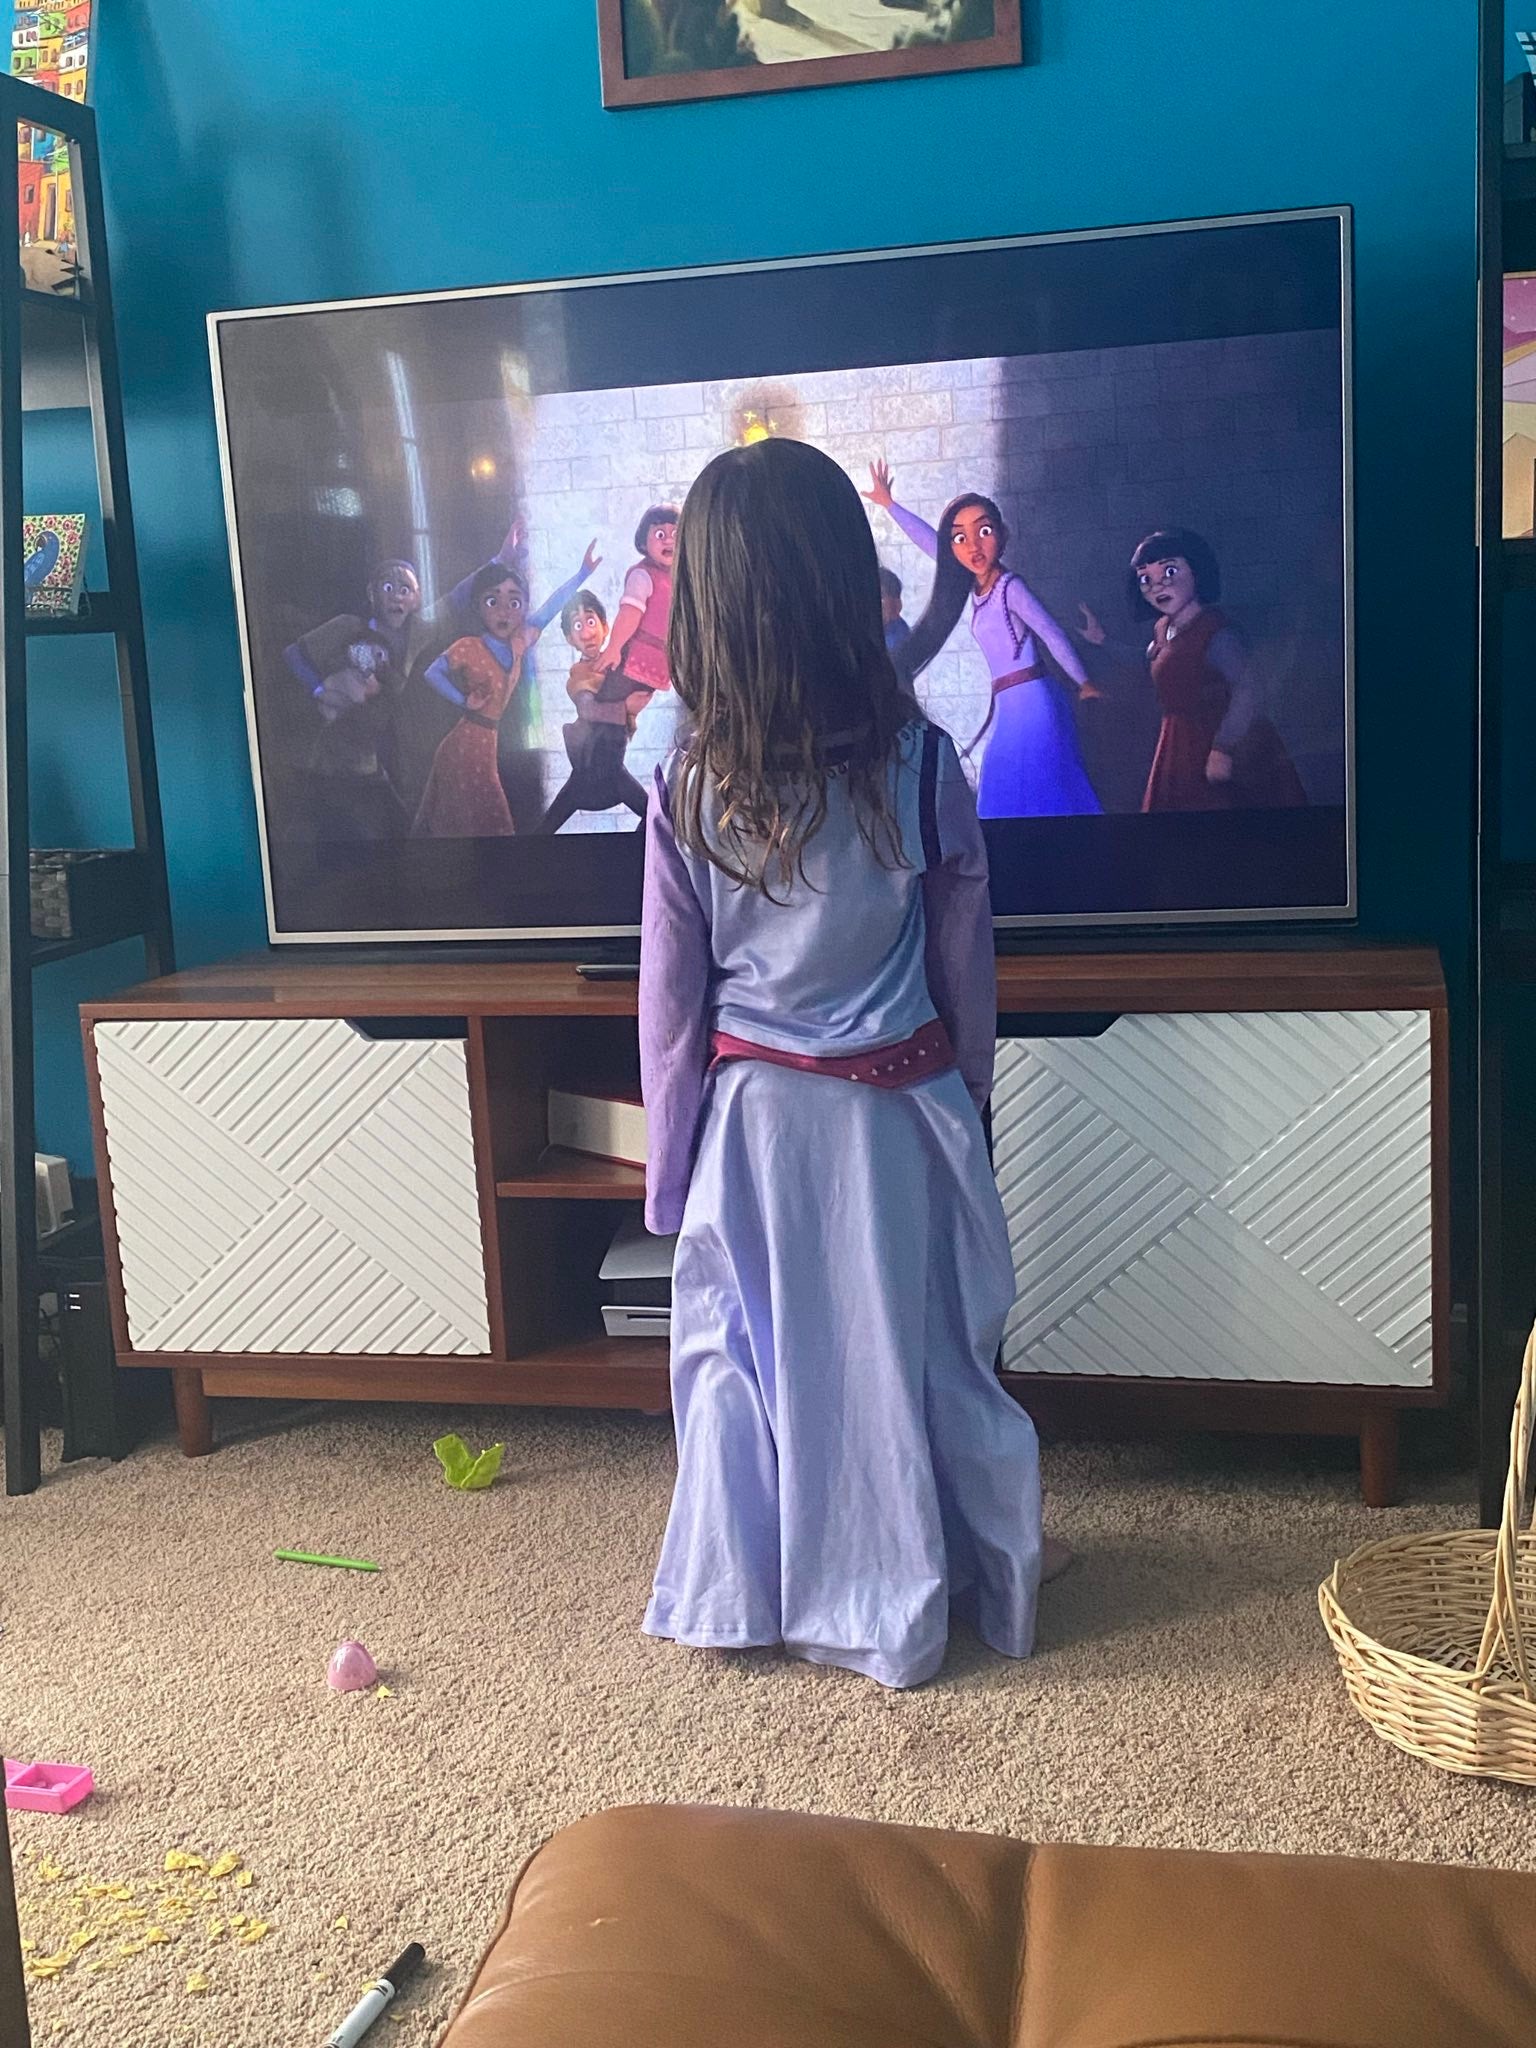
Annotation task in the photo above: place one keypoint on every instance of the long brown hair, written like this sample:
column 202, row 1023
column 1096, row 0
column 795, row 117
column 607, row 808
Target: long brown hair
column 777, row 651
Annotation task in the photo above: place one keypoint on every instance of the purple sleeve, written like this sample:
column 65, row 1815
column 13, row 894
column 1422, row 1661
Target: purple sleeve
column 439, row 679
column 301, row 665
column 961, row 953
column 674, row 1016
column 918, row 531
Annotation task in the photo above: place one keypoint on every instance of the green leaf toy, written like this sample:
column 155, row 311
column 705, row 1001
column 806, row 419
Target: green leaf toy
column 465, row 1472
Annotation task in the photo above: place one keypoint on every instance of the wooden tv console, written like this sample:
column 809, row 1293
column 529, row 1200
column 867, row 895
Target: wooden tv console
column 1225, row 1172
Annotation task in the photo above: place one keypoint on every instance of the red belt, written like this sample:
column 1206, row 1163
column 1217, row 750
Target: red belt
column 1035, row 674
column 925, row 1053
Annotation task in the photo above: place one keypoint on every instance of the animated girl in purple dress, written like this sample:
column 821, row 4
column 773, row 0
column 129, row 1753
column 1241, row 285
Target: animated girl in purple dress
column 1032, row 767
column 818, row 1017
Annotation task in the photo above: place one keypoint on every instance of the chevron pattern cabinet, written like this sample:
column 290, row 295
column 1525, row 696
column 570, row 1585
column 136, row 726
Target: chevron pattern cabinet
column 1226, row 1195
column 1224, row 1174
column 290, row 1186
column 1222, row 1197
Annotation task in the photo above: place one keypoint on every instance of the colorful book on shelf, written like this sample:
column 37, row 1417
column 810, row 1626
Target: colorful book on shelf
column 51, row 47
column 53, row 555
column 601, row 1126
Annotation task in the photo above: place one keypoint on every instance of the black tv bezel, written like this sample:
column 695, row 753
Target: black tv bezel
column 582, row 938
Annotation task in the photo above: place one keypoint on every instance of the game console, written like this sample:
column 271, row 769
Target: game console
column 637, row 1283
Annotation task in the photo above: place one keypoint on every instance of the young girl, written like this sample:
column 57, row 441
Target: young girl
column 464, row 798
column 1032, row 767
column 818, row 1017
column 1215, row 751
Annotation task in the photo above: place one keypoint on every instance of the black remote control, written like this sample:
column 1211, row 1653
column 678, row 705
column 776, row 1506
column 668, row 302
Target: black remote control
column 609, row 970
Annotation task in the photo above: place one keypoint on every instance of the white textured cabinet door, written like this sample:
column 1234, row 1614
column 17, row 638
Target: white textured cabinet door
column 1225, row 1197
column 290, row 1186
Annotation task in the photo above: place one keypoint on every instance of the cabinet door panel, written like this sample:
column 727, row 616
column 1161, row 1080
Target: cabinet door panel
column 1229, row 1197
column 288, row 1185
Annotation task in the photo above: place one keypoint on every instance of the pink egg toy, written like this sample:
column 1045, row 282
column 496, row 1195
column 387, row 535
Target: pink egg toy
column 351, row 1668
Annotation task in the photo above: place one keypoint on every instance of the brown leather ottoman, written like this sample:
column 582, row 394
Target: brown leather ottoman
column 704, row 1927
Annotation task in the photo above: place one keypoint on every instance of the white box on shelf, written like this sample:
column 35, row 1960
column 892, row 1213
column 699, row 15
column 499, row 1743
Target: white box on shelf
column 55, row 1195
column 602, row 1126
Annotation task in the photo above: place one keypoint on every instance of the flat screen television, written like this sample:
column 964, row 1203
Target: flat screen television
column 415, row 484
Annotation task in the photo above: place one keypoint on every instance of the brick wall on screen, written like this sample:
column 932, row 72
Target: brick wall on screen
column 1085, row 452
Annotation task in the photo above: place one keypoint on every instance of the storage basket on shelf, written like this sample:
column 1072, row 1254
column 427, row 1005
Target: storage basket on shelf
column 1436, row 1635
column 86, row 892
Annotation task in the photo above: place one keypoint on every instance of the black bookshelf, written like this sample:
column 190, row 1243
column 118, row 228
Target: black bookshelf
column 1504, row 906
column 73, row 329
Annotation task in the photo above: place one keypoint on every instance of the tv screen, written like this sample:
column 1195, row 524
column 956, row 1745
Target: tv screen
column 1108, row 479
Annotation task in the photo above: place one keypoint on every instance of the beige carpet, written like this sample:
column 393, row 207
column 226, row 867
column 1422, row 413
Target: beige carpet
column 1183, row 1694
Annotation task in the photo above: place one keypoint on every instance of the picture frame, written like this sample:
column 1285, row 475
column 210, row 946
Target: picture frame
column 659, row 74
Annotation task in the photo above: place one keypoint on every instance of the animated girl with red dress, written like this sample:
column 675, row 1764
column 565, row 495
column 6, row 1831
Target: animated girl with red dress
column 637, row 643
column 1216, row 750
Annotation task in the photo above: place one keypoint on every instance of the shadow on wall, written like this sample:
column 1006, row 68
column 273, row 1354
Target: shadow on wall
column 251, row 210
column 237, row 186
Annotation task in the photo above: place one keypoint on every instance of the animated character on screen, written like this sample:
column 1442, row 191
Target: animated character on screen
column 1215, row 749
column 519, row 762
column 897, row 631
column 606, row 709
column 637, row 644
column 1032, row 767
column 354, row 670
column 458, row 801
column 464, row 798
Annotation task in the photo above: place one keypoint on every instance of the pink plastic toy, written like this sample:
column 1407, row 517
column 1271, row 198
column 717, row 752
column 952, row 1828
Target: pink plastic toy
column 46, row 1788
column 351, row 1668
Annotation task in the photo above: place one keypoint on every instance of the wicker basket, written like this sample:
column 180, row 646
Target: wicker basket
column 1436, row 1635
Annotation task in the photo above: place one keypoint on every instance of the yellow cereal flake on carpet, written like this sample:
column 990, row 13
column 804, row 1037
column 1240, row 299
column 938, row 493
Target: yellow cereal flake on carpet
column 196, row 1981
column 257, row 1931
column 342, row 1922
column 49, row 1873
column 183, row 1859
column 226, row 1866
column 215, row 1930
column 385, row 1692
column 154, row 1936
column 244, row 1880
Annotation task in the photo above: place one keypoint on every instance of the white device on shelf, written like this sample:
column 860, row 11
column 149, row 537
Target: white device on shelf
column 637, row 1283
column 55, row 1196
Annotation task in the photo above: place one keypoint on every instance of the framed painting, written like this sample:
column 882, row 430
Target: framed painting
column 655, row 51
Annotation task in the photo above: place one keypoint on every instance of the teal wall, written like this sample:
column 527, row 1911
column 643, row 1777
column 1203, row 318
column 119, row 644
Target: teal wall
column 283, row 150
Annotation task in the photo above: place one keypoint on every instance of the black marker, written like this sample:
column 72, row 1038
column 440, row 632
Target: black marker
column 378, row 1998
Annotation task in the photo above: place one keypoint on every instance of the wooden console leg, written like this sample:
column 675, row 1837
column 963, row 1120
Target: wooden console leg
column 194, row 1416
column 1378, row 1458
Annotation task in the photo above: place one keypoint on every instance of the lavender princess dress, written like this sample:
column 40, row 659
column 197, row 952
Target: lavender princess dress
column 849, row 1467
column 1032, row 767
